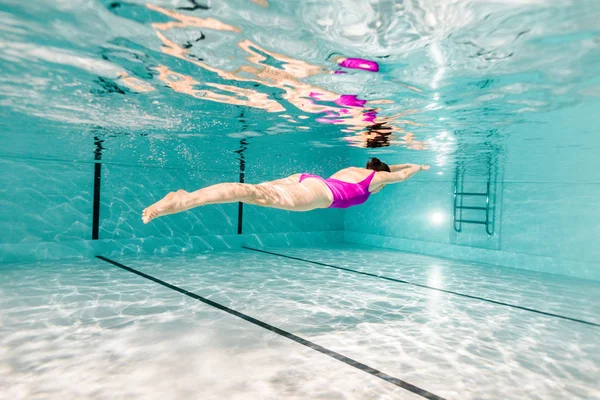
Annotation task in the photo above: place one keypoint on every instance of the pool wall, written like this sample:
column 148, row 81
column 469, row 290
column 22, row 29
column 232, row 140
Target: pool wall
column 48, row 197
column 548, row 218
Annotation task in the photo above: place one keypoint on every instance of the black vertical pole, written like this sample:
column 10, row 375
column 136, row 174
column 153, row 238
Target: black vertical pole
column 97, row 185
column 243, row 147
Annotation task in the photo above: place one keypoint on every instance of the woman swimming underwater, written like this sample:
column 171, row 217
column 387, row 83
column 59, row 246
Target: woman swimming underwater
column 300, row 192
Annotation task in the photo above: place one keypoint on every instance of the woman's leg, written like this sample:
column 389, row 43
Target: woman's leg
column 292, row 196
column 290, row 179
column 181, row 200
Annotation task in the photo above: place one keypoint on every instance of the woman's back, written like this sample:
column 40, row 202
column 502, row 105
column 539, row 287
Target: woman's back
column 352, row 174
column 356, row 175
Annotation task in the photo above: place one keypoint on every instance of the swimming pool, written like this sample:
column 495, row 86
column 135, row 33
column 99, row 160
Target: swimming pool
column 477, row 279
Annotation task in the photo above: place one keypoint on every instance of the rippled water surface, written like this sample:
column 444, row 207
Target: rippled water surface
column 454, row 77
column 90, row 329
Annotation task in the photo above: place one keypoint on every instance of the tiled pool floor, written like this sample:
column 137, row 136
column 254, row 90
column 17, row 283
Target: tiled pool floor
column 90, row 329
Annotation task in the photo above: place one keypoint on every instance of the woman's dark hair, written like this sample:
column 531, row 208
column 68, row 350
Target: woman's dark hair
column 376, row 165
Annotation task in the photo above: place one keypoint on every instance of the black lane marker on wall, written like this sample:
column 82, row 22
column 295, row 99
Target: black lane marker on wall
column 353, row 363
column 97, row 186
column 428, row 287
column 243, row 147
column 240, row 152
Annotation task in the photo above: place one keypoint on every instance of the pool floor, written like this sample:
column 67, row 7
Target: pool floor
column 321, row 323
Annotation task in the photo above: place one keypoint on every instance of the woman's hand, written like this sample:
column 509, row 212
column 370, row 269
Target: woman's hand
column 424, row 167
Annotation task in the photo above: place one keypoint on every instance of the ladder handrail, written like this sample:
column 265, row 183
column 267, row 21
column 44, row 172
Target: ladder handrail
column 459, row 195
column 457, row 228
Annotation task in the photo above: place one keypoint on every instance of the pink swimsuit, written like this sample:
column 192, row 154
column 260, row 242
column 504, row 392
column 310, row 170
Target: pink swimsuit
column 345, row 194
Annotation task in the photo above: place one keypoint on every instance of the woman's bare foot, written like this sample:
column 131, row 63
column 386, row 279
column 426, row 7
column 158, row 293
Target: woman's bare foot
column 170, row 204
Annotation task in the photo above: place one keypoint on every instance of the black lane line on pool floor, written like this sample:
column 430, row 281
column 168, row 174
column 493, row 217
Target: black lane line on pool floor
column 353, row 363
column 427, row 287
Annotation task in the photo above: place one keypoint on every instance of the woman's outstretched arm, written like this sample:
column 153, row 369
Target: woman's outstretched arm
column 403, row 174
column 400, row 167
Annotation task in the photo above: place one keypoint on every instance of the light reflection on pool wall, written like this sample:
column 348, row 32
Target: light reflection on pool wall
column 437, row 217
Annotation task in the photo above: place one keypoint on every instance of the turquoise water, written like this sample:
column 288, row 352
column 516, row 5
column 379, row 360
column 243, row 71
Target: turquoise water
column 105, row 106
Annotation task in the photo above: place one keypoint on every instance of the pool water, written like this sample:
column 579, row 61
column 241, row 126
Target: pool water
column 93, row 329
column 482, row 279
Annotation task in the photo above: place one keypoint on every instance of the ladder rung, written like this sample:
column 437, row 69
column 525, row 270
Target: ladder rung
column 470, row 194
column 467, row 221
column 471, row 208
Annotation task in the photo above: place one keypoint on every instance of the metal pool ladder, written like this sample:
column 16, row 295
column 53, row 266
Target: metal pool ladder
column 487, row 219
